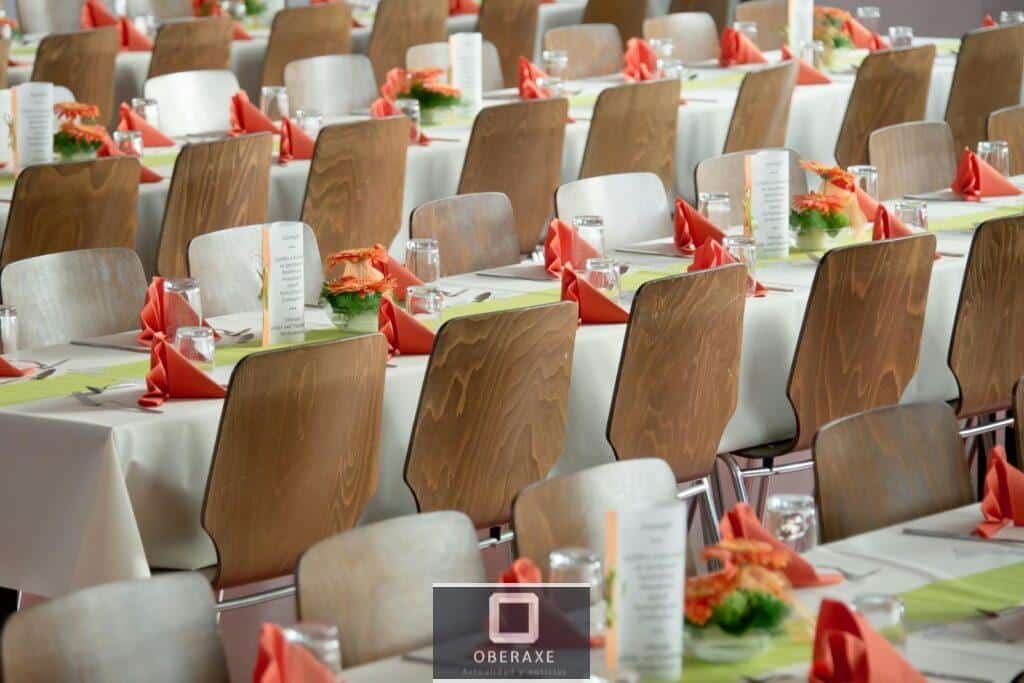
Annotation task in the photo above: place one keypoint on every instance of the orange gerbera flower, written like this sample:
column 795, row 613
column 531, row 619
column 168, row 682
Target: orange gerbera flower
column 834, row 12
column 704, row 593
column 741, row 551
column 76, row 110
column 816, row 201
column 347, row 284
column 83, row 132
column 831, row 174
column 376, row 252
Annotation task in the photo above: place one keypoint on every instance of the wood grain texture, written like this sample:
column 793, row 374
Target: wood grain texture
column 356, row 183
column 492, row 413
column 628, row 17
column 302, row 32
column 718, row 9
column 63, row 207
column 989, row 69
column 913, row 157
column 192, row 45
column 516, row 149
column 594, row 49
column 725, row 173
column 771, row 17
column 694, row 35
column 891, row 87
column 161, row 630
column 216, row 185
column 400, row 24
column 512, row 26
column 761, row 116
column 162, row 9
column 82, row 61
column 74, row 295
column 374, row 582
column 5, row 56
column 907, row 460
column 474, row 231
column 1018, row 416
column 297, row 454
column 1008, row 124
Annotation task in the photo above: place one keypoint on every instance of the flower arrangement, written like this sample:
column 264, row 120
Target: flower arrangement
column 817, row 220
column 80, row 136
column 421, row 85
column 841, row 184
column 830, row 27
column 353, row 296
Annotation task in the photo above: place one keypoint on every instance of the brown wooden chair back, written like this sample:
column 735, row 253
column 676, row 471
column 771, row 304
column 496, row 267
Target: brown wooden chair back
column 63, row 207
column 726, row 173
column 1018, row 416
column 913, row 157
column 771, row 17
column 1008, row 124
column 216, row 185
column 492, row 413
column 512, row 26
column 5, row 58
column 82, row 61
column 400, row 24
column 356, row 183
column 718, row 9
column 302, row 32
column 628, row 17
column 694, row 35
column 761, row 116
column 594, row 49
column 192, row 45
column 474, row 231
column 516, row 149
column 297, row 454
column 891, row 87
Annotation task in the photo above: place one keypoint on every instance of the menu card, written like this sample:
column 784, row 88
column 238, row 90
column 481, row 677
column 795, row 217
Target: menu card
column 801, row 25
column 33, row 124
column 768, row 189
column 645, row 551
column 6, row 126
column 467, row 67
column 283, row 283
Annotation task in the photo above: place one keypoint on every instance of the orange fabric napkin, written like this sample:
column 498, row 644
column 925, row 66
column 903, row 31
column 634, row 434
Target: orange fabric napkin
column 742, row 522
column 463, row 7
column 171, row 375
column 862, row 38
column 593, row 307
column 976, row 179
column 96, row 14
column 807, row 74
column 295, row 143
column 848, row 650
column 8, row 370
column 529, row 73
column 382, row 108
column 523, row 570
column 692, row 229
column 132, row 39
column 109, row 149
column 153, row 315
column 868, row 205
column 1003, row 502
column 246, row 117
column 888, row 226
column 389, row 267
column 988, row 21
column 151, row 137
column 712, row 254
column 406, row 335
column 279, row 661
column 563, row 246
column 641, row 62
column 738, row 49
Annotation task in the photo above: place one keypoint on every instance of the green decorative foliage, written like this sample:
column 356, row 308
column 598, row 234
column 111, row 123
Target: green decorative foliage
column 352, row 303
column 744, row 610
column 431, row 99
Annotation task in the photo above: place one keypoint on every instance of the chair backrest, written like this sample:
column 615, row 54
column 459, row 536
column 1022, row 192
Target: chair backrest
column 290, row 468
column 492, row 412
column 986, row 351
column 302, row 32
column 191, row 45
column 594, row 49
column 989, row 70
column 162, row 630
column 516, row 149
column 891, row 87
column 400, row 24
column 374, row 582
column 5, row 55
column 474, row 231
column 694, row 35
column 861, row 334
column 678, row 379
column 725, row 174
column 216, row 185
column 82, row 61
column 160, row 9
column 568, row 511
column 907, row 460
column 511, row 25
column 225, row 262
column 771, row 17
column 1018, row 414
column 718, row 9
column 913, row 157
column 74, row 295
column 356, row 183
column 1008, row 124
column 438, row 55
column 49, row 16
column 333, row 85
column 193, row 102
column 81, row 205
column 628, row 17
column 761, row 116
column 634, row 206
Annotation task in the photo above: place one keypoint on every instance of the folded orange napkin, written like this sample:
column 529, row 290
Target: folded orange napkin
column 151, row 137
column 988, row 21
column 280, row 661
column 888, row 226
column 641, row 62
column 463, row 7
column 215, row 10
column 246, row 117
column 529, row 73
column 742, row 522
column 8, row 370
column 563, row 246
column 593, row 307
column 522, row 570
column 1003, row 502
column 382, row 108
column 389, row 267
column 738, row 49
column 171, row 375
column 862, row 38
column 109, row 149
column 976, row 179
column 406, row 335
column 807, row 74
column 692, row 229
column 868, row 205
column 132, row 39
column 96, row 14
column 155, row 311
column 295, row 143
column 848, row 650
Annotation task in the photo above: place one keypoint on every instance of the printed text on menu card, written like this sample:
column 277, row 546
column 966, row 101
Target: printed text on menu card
column 283, row 284
column 768, row 186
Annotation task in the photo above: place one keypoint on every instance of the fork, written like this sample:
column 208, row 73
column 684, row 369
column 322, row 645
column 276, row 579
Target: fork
column 848, row 575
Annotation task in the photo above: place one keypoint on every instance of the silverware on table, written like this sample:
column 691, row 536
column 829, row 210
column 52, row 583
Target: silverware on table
column 951, row 254
column 458, row 292
column 135, row 348
column 42, row 375
column 480, row 298
column 89, row 399
column 848, row 575
column 229, row 333
column 776, row 288
column 927, row 533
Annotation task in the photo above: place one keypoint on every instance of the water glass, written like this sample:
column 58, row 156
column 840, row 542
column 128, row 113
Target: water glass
column 183, row 306
column 793, row 519
column 716, row 207
column 747, row 28
column 147, row 109
column 425, row 302
column 814, row 54
column 603, row 275
column 885, row 614
column 744, row 250
column 996, row 153
column 234, row 9
column 901, row 36
column 8, row 329
column 870, row 17
column 120, row 8
column 423, row 259
column 866, row 178
column 673, row 68
column 145, row 24
column 663, row 49
column 1008, row 17
column 591, row 230
column 556, row 64
column 197, row 345
column 129, row 143
column 321, row 640
column 274, row 102
column 913, row 213
column 411, row 108
column 579, row 565
column 310, row 121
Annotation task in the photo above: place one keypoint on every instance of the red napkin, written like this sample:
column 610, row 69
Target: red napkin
column 522, row 570
column 888, row 226
column 151, row 137
column 862, row 38
column 738, row 49
column 132, row 39
column 463, row 7
column 295, row 143
column 693, row 229
column 8, row 370
column 848, row 650
column 406, row 335
column 641, row 62
column 741, row 522
column 988, row 21
column 247, row 117
column 564, row 246
column 382, row 108
column 171, row 375
column 976, row 179
column 153, row 315
column 868, row 206
column 594, row 308
column 529, row 73
column 279, row 661
column 239, row 32
column 712, row 254
column 1003, row 501
column 109, row 149
column 96, row 14
column 391, row 268
column 807, row 74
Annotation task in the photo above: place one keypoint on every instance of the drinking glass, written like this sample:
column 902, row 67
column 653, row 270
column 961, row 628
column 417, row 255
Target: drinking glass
column 423, row 259
column 793, row 519
column 145, row 24
column 743, row 249
column 603, row 275
column 870, row 17
column 663, row 49
column 411, row 108
column 120, row 8
column 129, row 143
column 673, row 68
column 996, row 153
column 579, row 565
column 866, row 178
column 8, row 329
column 234, row 9
column 1007, row 17
column 814, row 54
column 310, row 121
column 147, row 109
column 274, row 102
column 591, row 230
column 747, row 28
column 197, row 345
column 913, row 213
column 425, row 302
column 716, row 207
column 901, row 36
column 885, row 614
column 321, row 640
column 556, row 62
column 183, row 306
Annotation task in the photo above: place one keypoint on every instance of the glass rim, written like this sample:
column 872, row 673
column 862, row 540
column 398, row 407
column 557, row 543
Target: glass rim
column 423, row 291
column 180, row 282
column 143, row 100
column 868, row 11
column 857, row 169
column 910, row 203
column 788, row 501
column 739, row 240
column 714, row 197
column 744, row 24
column 194, row 332
column 994, row 144
column 422, row 244
column 901, row 29
column 273, row 89
column 599, row 263
column 127, row 134
column 588, row 221
column 877, row 600
column 554, row 54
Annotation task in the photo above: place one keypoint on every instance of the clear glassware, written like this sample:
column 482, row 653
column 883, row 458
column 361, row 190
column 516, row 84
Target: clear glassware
column 870, row 17
column 8, row 329
column 120, row 8
column 197, row 345
column 234, row 9
column 1008, row 17
column 744, row 250
column 885, row 614
column 579, row 565
column 556, row 64
column 603, row 275
column 321, row 640
column 663, row 49
column 913, row 213
column 591, row 230
column 673, row 68
column 309, row 120
column 793, row 519
column 866, row 178
column 423, row 259
column 996, row 153
column 129, row 143
column 747, row 28
column 145, row 24
column 901, row 36
column 274, row 102
column 716, row 207
column 147, row 109
column 411, row 108
column 183, row 306
column 538, row 256
column 425, row 302
column 814, row 54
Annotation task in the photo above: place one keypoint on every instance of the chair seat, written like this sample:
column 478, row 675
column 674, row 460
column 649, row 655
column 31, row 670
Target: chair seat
column 766, row 452
column 208, row 573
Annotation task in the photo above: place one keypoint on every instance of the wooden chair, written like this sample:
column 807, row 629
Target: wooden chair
column 162, row 630
column 913, row 157
column 718, row 9
column 761, row 116
column 302, row 32
column 492, row 413
column 891, row 87
column 439, row 56
column 634, row 130
column 628, row 17
column 726, row 174
column 989, row 69
column 193, row 102
column 161, row 10
column 82, row 61
column 5, row 58
column 63, row 207
column 48, row 16
column 400, row 24
column 594, row 49
column 771, row 17
column 192, row 45
column 356, row 182
column 511, row 25
column 216, row 185
column 297, row 454
column 516, row 149
column 634, row 206
column 1008, row 124
column 858, row 346
column 349, row 80
column 474, row 231
column 1018, row 416
column 74, row 295
column 694, row 35
column 374, row 582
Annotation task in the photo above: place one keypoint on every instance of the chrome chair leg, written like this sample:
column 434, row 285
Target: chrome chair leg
column 762, row 495
column 711, row 517
column 737, row 475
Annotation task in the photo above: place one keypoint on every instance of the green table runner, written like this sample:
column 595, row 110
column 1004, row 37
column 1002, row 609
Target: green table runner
column 967, row 221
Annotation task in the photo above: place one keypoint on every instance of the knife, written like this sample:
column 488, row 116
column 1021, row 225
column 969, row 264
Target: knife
column 962, row 537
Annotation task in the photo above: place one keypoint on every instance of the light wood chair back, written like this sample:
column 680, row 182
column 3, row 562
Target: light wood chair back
column 891, row 87
column 216, row 185
column 511, row 25
column 634, row 206
column 771, row 17
column 492, row 412
column 907, row 460
column 628, row 17
column 913, row 157
column 725, row 174
column 516, row 149
column 1008, row 124
column 162, row 630
column 48, row 16
column 297, row 455
column 694, row 34
column 192, row 45
column 303, row 32
column 594, row 49
column 400, row 24
column 5, row 59
column 80, row 205
column 761, row 116
column 334, row 85
column 439, row 56
column 718, row 9
column 82, row 61
column 356, row 183
column 1018, row 415
column 474, row 231
column 193, row 102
